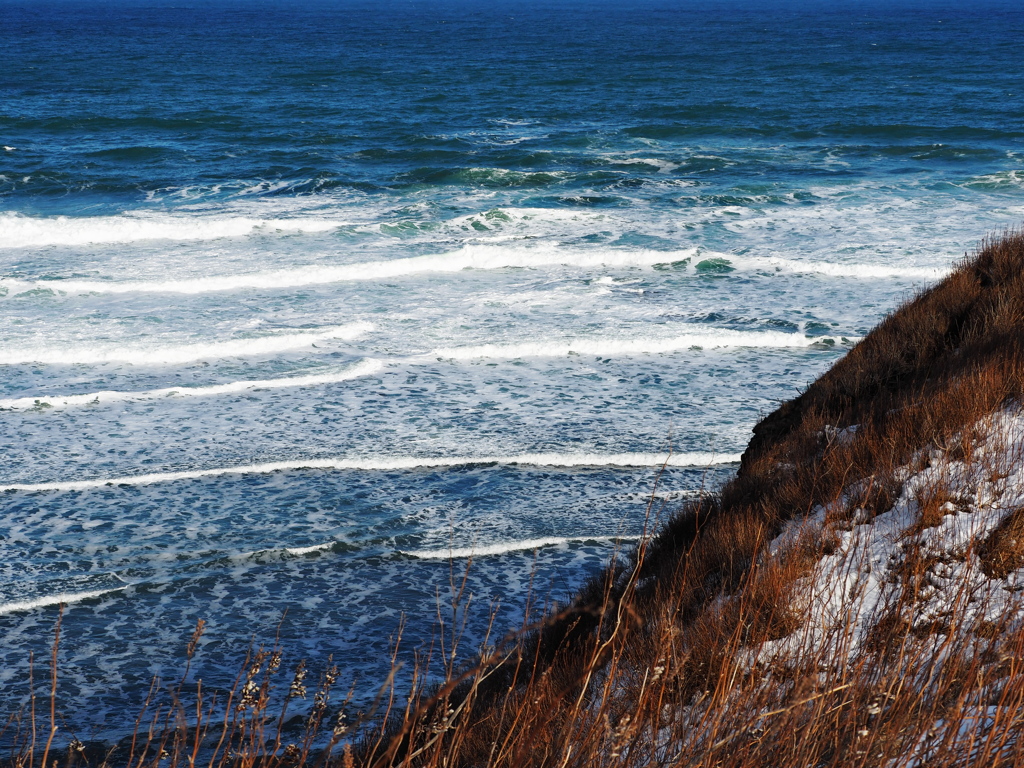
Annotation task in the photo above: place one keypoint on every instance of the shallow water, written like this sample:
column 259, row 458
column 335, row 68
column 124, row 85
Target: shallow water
column 297, row 301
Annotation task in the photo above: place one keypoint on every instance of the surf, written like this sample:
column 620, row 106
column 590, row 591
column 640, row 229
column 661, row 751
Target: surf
column 567, row 460
column 696, row 261
column 20, row 231
column 503, row 548
column 68, row 353
column 712, row 338
column 863, row 270
column 612, row 347
column 65, row 598
column 363, row 368
column 479, row 257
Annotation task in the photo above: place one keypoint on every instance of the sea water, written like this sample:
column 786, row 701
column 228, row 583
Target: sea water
column 306, row 307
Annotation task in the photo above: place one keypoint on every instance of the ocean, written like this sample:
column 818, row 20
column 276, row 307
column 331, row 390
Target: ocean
column 311, row 311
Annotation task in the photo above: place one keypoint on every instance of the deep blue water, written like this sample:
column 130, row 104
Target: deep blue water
column 332, row 290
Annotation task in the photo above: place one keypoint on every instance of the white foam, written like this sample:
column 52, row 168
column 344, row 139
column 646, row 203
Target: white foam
column 695, row 459
column 607, row 347
column 663, row 166
column 20, row 231
column 309, row 550
column 485, row 257
column 171, row 354
column 363, row 368
column 481, row 256
column 601, row 347
column 836, row 269
column 508, row 546
column 996, row 180
column 512, row 214
column 65, row 597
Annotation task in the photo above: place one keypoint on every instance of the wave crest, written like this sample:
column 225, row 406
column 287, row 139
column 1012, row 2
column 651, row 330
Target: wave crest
column 20, row 231
column 63, row 597
column 173, row 354
column 467, row 257
column 835, row 269
column 694, row 459
column 502, row 548
column 602, row 347
column 363, row 368
column 483, row 257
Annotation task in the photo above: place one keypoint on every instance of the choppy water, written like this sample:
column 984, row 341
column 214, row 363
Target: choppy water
column 296, row 299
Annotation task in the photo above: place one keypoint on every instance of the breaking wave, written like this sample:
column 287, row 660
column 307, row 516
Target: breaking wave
column 509, row 546
column 835, row 269
column 602, row 347
column 694, row 459
column 63, row 597
column 483, row 257
column 363, row 368
column 299, row 551
column 20, row 231
column 468, row 257
column 172, row 354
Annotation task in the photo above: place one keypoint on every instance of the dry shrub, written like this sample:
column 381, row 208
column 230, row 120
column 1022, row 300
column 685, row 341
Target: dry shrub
column 1002, row 551
column 933, row 504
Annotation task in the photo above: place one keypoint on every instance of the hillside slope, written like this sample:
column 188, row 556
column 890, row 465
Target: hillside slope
column 852, row 597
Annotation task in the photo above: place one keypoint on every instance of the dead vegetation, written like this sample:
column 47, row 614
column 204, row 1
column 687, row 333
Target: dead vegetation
column 695, row 651
column 1002, row 552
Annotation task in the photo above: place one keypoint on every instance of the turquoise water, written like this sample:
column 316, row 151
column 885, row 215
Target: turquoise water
column 299, row 305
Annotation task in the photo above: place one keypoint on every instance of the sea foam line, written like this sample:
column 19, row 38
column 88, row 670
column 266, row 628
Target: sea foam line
column 604, row 347
column 20, row 231
column 693, row 459
column 64, row 597
column 468, row 257
column 601, row 347
column 172, row 354
column 299, row 551
column 481, row 257
column 363, row 368
column 836, row 269
column 502, row 548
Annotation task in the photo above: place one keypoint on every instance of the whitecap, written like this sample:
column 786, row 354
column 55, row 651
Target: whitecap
column 64, row 597
column 20, row 231
column 692, row 459
column 607, row 347
column 363, row 368
column 172, row 354
column 484, row 257
column 501, row 548
column 481, row 256
column 836, row 269
column 299, row 551
column 663, row 166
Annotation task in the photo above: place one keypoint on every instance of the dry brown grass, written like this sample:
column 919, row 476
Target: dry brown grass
column 1002, row 552
column 694, row 651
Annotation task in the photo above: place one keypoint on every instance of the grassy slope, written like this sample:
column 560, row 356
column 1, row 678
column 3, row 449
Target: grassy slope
column 580, row 691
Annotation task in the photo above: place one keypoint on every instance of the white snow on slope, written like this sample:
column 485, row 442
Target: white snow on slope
column 865, row 575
